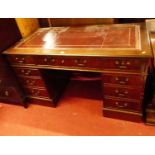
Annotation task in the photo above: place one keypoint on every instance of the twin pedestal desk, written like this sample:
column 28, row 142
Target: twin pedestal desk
column 120, row 54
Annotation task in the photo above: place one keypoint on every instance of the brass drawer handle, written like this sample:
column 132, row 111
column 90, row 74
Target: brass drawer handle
column 121, row 94
column 117, row 62
column 122, row 63
column 62, row 61
column 22, row 60
column 22, row 71
column 6, row 93
column 28, row 72
column 121, row 106
column 121, row 81
column 116, row 91
column 53, row 60
column 81, row 64
column 45, row 59
column 122, row 67
column 35, row 92
column 30, row 82
column 128, row 63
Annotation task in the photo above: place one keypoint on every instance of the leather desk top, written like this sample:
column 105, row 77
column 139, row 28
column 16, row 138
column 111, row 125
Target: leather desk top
column 122, row 40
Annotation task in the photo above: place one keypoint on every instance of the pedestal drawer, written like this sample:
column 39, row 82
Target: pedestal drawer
column 126, row 63
column 124, row 79
column 123, row 104
column 121, row 92
column 26, row 81
column 37, row 92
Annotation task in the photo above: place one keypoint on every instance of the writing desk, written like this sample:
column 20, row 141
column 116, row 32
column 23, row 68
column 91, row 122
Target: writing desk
column 120, row 53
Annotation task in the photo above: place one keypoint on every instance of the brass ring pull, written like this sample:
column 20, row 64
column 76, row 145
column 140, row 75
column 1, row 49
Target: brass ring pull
column 62, row 61
column 22, row 71
column 121, row 106
column 53, row 60
column 120, row 94
column 28, row 72
column 21, row 61
column 45, row 59
column 81, row 65
column 6, row 93
column 117, row 62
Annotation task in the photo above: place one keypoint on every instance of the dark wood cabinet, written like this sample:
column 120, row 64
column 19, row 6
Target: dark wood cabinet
column 10, row 89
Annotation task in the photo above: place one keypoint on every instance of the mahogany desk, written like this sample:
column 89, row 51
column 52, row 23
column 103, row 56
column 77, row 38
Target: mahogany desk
column 120, row 53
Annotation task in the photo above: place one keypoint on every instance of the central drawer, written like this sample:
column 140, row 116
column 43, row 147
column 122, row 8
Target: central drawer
column 69, row 61
column 121, row 92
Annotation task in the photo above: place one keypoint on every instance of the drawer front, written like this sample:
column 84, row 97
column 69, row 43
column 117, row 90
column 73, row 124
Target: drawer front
column 32, row 82
column 53, row 61
column 126, row 64
column 130, row 93
column 37, row 92
column 70, row 61
column 26, row 71
column 21, row 59
column 117, row 114
column 124, row 79
column 123, row 104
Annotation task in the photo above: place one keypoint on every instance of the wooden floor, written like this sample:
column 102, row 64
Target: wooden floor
column 79, row 112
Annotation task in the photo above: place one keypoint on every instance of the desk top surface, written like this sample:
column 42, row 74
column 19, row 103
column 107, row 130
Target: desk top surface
column 96, row 40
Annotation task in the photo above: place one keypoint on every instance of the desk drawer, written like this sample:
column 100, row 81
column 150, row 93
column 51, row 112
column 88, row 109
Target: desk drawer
column 37, row 92
column 130, row 93
column 26, row 71
column 134, row 64
column 21, row 59
column 70, row 61
column 32, row 82
column 124, row 79
column 122, row 104
column 53, row 61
